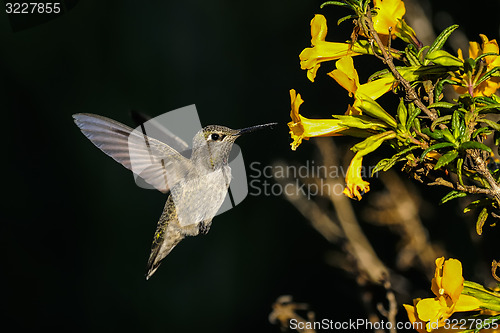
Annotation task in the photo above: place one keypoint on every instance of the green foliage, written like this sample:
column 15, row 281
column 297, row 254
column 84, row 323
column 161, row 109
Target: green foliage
column 433, row 136
column 490, row 299
column 439, row 140
column 453, row 195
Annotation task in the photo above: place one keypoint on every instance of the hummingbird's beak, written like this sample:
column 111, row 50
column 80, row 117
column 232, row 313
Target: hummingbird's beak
column 254, row 128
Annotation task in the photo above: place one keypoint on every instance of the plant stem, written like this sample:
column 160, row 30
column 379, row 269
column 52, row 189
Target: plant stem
column 412, row 95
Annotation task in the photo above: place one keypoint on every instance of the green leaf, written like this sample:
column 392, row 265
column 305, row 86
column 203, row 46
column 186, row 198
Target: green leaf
column 422, row 50
column 372, row 108
column 480, row 221
column 379, row 74
column 484, row 202
column 453, row 195
column 436, row 134
column 362, row 46
column 474, row 145
column 490, row 123
column 439, row 87
column 460, row 163
column 430, row 70
column 414, row 112
column 481, row 130
column 489, row 298
column 443, row 58
column 441, row 39
column 387, row 163
column 405, row 32
column 446, row 159
column 436, row 146
column 360, row 122
column 348, row 17
column 412, row 56
column 372, row 143
column 457, row 126
column 448, row 136
column 416, row 125
column 488, row 75
column 333, row 3
column 486, row 108
column 440, row 120
column 485, row 100
column 486, row 55
column 402, row 113
column 444, row 105
column 384, row 164
column 406, row 72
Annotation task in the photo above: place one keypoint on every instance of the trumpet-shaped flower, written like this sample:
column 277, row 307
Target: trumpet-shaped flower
column 447, row 285
column 389, row 12
column 311, row 57
column 304, row 128
column 347, row 76
column 355, row 185
column 489, row 86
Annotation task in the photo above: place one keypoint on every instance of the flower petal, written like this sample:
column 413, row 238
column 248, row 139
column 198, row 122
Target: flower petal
column 311, row 57
column 304, row 128
column 467, row 303
column 436, row 284
column 355, row 185
column 375, row 89
column 453, row 281
column 388, row 14
column 411, row 311
column 296, row 101
column 345, row 74
column 429, row 309
column 319, row 29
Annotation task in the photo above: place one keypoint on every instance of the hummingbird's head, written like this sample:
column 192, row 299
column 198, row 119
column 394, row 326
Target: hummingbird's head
column 212, row 144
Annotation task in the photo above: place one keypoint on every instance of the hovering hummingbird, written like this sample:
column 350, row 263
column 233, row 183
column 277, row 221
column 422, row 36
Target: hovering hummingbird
column 197, row 185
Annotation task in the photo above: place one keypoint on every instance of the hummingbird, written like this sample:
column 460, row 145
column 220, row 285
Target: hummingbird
column 196, row 185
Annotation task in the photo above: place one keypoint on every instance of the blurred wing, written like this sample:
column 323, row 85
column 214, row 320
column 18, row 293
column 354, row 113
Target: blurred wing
column 148, row 158
column 151, row 125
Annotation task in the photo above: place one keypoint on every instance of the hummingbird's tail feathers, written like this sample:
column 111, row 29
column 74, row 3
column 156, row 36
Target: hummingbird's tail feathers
column 151, row 271
column 166, row 237
column 159, row 253
column 149, row 158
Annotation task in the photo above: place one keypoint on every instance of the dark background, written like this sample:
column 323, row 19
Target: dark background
column 76, row 230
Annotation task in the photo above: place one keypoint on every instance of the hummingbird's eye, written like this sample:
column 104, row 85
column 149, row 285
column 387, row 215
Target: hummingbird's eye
column 214, row 136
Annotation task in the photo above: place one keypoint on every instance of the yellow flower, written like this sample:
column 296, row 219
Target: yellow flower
column 389, row 12
column 488, row 87
column 304, row 128
column 447, row 285
column 347, row 76
column 355, row 185
column 311, row 57
column 411, row 311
